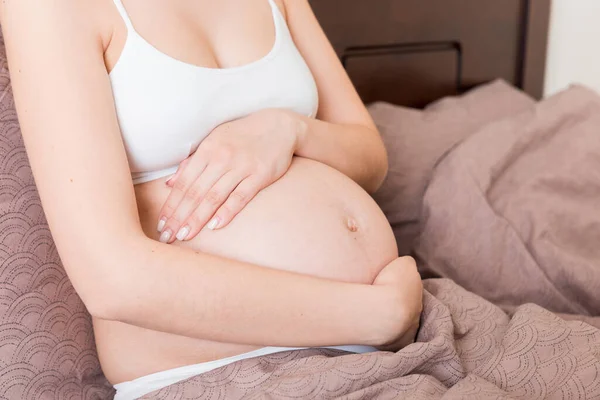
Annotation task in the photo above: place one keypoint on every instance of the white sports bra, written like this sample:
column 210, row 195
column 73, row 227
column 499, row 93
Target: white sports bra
column 166, row 107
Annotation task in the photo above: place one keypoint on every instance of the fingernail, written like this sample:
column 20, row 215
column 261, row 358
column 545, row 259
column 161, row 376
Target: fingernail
column 161, row 224
column 168, row 181
column 183, row 232
column 213, row 224
column 165, row 236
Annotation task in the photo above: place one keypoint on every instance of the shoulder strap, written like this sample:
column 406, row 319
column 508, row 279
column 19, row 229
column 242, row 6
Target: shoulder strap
column 124, row 14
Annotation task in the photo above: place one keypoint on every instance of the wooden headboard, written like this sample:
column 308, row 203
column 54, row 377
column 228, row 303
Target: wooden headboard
column 411, row 52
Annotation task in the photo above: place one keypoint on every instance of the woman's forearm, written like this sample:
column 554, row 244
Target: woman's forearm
column 353, row 149
column 181, row 291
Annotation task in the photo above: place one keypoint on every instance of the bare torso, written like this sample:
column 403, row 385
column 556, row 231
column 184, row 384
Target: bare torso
column 314, row 220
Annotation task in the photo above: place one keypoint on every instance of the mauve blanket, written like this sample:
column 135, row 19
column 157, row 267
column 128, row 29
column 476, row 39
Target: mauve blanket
column 511, row 213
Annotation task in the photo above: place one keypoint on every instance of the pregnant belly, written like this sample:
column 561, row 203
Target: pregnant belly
column 314, row 220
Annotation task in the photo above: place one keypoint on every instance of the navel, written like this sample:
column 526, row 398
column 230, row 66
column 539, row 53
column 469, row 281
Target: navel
column 351, row 224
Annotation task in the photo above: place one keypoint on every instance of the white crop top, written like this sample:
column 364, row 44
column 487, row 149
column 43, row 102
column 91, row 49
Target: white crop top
column 166, row 107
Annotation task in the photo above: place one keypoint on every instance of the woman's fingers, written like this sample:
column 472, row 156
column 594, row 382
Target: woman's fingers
column 204, row 214
column 173, row 178
column 237, row 200
column 200, row 191
column 400, row 318
column 168, row 222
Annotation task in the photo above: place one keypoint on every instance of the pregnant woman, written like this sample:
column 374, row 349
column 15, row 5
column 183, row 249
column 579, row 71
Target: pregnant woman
column 204, row 167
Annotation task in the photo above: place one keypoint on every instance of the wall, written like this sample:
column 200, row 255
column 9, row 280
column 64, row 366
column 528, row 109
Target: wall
column 574, row 45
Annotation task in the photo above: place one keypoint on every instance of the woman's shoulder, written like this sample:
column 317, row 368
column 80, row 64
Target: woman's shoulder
column 294, row 7
column 63, row 17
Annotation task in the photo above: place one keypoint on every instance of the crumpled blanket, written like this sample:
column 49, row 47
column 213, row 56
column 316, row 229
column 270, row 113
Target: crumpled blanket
column 513, row 212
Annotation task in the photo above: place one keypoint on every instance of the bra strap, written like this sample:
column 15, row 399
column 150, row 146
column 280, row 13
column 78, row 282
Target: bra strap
column 276, row 12
column 124, row 14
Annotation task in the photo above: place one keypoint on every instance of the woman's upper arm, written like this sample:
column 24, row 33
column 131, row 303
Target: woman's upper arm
column 69, row 125
column 338, row 100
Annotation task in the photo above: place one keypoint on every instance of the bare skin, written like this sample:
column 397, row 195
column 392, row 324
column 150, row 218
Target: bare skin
column 332, row 276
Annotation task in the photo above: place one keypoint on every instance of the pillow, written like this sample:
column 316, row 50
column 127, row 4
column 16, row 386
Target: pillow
column 47, row 347
column 416, row 140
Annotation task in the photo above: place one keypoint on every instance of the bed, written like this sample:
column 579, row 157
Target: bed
column 493, row 191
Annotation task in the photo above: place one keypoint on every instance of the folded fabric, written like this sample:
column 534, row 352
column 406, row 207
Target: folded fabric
column 416, row 140
column 513, row 212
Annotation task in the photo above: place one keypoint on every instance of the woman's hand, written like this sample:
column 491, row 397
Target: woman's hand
column 229, row 168
column 400, row 313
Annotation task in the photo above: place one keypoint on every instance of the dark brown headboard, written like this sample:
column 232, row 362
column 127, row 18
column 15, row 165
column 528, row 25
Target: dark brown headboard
column 411, row 52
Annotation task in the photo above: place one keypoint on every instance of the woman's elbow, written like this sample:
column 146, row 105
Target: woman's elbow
column 379, row 168
column 103, row 302
column 382, row 170
column 104, row 296
column 104, row 288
